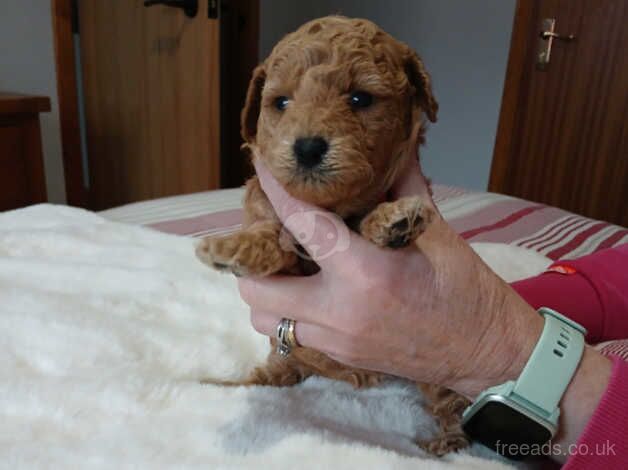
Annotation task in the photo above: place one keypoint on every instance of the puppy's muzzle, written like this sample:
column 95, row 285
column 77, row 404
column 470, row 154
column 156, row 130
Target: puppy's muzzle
column 310, row 151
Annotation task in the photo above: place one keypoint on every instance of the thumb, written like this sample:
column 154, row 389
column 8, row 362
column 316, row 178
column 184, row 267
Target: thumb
column 411, row 180
column 324, row 236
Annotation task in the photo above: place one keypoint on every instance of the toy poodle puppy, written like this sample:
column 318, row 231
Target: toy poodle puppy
column 334, row 112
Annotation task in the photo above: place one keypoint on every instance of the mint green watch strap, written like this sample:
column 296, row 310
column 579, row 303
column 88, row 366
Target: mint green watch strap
column 552, row 364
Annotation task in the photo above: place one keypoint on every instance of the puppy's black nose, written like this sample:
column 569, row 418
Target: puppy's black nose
column 310, row 151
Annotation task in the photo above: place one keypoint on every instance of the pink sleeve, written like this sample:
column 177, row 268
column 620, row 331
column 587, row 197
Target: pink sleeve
column 604, row 443
column 593, row 291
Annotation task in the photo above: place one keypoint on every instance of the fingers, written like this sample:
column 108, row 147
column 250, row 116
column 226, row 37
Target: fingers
column 300, row 296
column 323, row 235
column 308, row 335
column 285, row 205
column 411, row 181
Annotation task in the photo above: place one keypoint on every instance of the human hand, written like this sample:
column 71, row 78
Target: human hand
column 433, row 312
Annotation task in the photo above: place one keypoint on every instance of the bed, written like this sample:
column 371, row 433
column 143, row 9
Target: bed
column 477, row 216
column 108, row 323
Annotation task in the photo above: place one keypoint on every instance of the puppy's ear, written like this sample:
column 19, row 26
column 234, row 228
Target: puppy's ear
column 420, row 80
column 252, row 105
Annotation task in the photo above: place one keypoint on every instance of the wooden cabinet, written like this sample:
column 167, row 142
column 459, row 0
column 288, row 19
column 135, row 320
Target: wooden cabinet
column 22, row 180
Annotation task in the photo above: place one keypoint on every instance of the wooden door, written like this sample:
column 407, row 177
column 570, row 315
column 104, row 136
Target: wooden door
column 151, row 95
column 563, row 131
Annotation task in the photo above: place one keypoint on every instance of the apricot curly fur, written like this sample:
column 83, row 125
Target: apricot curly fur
column 316, row 68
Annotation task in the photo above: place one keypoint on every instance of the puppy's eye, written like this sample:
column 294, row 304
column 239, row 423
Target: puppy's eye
column 281, row 102
column 360, row 99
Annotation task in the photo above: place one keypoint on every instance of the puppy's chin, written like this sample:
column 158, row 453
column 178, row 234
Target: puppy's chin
column 346, row 190
column 319, row 190
column 346, row 195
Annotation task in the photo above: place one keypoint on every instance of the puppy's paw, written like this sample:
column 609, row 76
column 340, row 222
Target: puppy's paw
column 245, row 253
column 396, row 224
column 445, row 443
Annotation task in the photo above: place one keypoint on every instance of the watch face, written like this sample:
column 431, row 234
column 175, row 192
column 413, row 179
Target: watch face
column 507, row 431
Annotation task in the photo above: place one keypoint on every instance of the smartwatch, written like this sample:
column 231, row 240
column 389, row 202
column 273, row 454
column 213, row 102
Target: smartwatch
column 515, row 417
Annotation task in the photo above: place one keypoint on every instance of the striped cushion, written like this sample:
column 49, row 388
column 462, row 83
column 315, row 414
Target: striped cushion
column 614, row 348
column 477, row 216
column 553, row 232
column 194, row 215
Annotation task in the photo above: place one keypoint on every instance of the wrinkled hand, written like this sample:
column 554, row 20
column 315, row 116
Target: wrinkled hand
column 436, row 314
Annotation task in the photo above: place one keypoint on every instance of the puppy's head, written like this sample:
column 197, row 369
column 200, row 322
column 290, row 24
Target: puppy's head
column 331, row 111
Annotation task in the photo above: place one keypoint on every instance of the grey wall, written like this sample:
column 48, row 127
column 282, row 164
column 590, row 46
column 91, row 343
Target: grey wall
column 464, row 44
column 278, row 17
column 27, row 66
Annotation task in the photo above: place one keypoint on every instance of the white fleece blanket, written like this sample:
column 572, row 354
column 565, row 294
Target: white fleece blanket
column 106, row 330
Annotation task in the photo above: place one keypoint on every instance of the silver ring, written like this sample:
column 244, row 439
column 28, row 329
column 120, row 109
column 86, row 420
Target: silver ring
column 286, row 339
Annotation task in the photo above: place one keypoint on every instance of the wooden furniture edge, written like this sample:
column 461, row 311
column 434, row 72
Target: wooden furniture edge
column 67, row 92
column 519, row 44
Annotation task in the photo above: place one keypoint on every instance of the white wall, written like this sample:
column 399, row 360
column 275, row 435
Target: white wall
column 464, row 44
column 27, row 66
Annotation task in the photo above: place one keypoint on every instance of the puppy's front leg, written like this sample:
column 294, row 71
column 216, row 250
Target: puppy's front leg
column 254, row 251
column 396, row 224
column 257, row 249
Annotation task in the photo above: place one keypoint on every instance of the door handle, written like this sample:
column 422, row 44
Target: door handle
column 547, row 36
column 552, row 34
column 189, row 7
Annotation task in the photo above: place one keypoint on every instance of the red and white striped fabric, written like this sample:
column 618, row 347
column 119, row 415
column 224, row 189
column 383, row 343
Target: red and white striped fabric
column 477, row 216
column 617, row 347
column 195, row 215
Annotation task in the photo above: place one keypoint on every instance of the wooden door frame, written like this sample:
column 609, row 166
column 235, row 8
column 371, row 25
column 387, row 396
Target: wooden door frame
column 239, row 48
column 513, row 84
column 67, row 95
column 67, row 90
